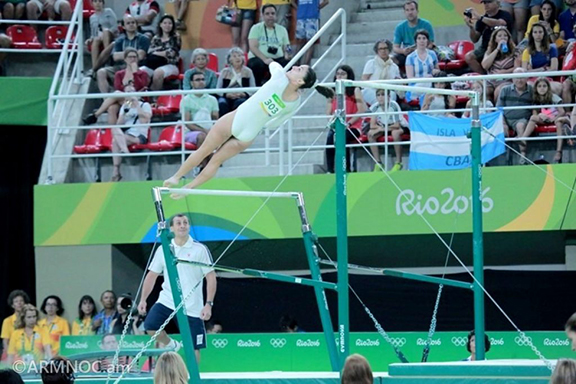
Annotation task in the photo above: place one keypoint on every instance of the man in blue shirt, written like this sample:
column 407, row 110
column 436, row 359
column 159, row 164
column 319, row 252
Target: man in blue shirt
column 567, row 19
column 404, row 33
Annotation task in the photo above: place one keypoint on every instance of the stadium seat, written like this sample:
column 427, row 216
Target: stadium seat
column 55, row 36
column 545, row 129
column 87, row 8
column 213, row 62
column 180, row 74
column 23, row 37
column 166, row 105
column 97, row 141
column 460, row 48
column 170, row 139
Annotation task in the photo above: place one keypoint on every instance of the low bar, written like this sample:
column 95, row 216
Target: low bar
column 215, row 192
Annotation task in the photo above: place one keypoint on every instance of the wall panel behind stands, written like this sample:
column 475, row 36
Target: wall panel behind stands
column 20, row 162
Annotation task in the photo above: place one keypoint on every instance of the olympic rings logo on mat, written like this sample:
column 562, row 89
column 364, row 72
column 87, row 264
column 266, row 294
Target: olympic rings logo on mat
column 523, row 341
column 459, row 341
column 278, row 343
column 219, row 343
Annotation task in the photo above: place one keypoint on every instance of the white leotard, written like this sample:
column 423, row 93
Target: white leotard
column 265, row 108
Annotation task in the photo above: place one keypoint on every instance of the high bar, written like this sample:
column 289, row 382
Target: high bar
column 215, row 192
column 383, row 84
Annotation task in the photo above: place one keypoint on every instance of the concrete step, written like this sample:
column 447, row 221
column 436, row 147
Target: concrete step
column 379, row 14
column 356, row 62
column 384, row 4
column 351, row 50
column 381, row 27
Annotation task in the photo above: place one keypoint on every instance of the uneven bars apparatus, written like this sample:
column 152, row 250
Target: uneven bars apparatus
column 341, row 206
column 310, row 244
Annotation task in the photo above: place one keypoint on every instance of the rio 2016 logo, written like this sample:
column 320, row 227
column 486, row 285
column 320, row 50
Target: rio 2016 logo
column 409, row 203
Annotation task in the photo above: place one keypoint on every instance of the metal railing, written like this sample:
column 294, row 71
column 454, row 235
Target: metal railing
column 60, row 93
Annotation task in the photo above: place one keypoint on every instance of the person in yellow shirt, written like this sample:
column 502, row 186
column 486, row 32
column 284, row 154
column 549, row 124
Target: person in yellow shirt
column 83, row 325
column 283, row 11
column 29, row 342
column 246, row 18
column 54, row 325
column 16, row 299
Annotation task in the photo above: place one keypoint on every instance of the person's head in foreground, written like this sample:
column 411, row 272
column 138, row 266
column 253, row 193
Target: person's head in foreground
column 58, row 371
column 565, row 372
column 357, row 370
column 170, row 369
column 8, row 376
column 570, row 328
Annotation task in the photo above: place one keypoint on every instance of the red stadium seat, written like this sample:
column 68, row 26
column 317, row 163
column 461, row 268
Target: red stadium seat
column 180, row 74
column 23, row 37
column 97, row 141
column 460, row 48
column 545, row 129
column 55, row 36
column 213, row 62
column 87, row 8
column 166, row 105
column 170, row 139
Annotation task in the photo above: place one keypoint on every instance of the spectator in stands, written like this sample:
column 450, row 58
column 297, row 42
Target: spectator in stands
column 59, row 371
column 53, row 324
column 29, row 342
column 570, row 328
column 519, row 10
column 546, row 17
column 540, row 55
column 436, row 102
column 268, row 42
column 307, row 24
column 135, row 114
column 35, row 8
column 200, row 61
column 397, row 126
column 123, row 307
column 9, row 376
column 130, row 76
column 145, row 12
column 246, row 19
column 423, row 62
column 192, row 277
column 103, row 30
column 357, row 370
column 567, row 20
column 354, row 104
column 283, row 11
column 235, row 75
column 517, row 94
column 170, row 369
column 477, row 86
column 104, row 318
column 471, row 345
column 12, row 9
column 546, row 115
column 404, row 33
column 130, row 39
column 83, row 324
column 499, row 60
column 381, row 67
column 16, row 300
column 164, row 53
column 535, row 6
column 214, row 327
column 289, row 324
column 199, row 111
column 481, row 28
column 565, row 372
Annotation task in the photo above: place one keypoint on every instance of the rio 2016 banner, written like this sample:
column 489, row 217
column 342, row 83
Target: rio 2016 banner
column 307, row 351
column 513, row 199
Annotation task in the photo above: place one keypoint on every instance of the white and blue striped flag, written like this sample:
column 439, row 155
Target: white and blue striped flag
column 441, row 142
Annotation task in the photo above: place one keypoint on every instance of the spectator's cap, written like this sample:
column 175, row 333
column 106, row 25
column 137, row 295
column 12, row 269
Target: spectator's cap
column 383, row 41
column 197, row 52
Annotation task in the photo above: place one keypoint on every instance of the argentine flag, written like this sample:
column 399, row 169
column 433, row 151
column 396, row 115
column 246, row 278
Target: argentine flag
column 441, row 142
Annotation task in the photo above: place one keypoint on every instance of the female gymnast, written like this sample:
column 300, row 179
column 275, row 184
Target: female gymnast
column 270, row 107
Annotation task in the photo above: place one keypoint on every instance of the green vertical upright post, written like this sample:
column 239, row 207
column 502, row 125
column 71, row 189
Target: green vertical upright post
column 174, row 280
column 342, row 223
column 310, row 241
column 477, row 230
